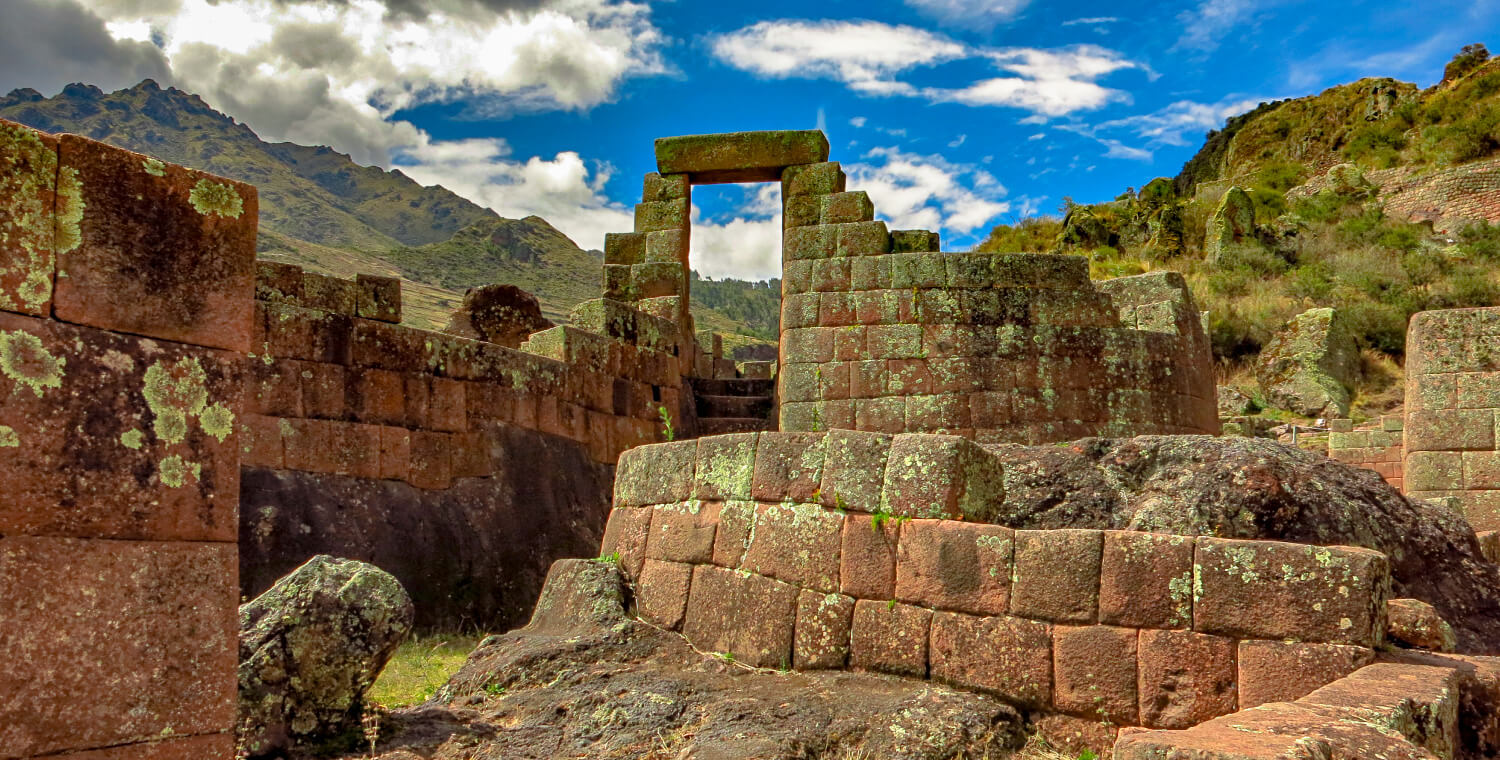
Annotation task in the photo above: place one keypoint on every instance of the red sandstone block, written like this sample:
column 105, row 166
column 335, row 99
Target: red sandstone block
column 1007, row 656
column 1146, row 580
column 1481, row 470
column 1273, row 590
column 355, row 449
column 941, row 476
column 725, row 466
column 1185, row 678
column 748, row 616
column 822, row 631
column 446, row 406
column 661, row 594
column 880, row 415
column 849, row 344
column 661, row 473
column 1073, row 735
column 889, row 638
column 867, row 560
column 110, row 435
column 168, row 253
column 308, row 445
column 854, row 466
column 260, row 441
column 377, row 396
column 951, row 565
column 112, row 642
column 330, row 294
column 323, row 390
column 625, row 535
column 1094, row 672
column 547, row 419
column 395, row 453
column 206, row 747
column 379, row 298
column 788, row 466
column 683, row 532
column 469, row 455
column 430, row 466
column 273, row 387
column 416, row 394
column 386, row 346
column 1057, row 575
column 796, row 543
column 28, row 218
column 1284, row 671
column 296, row 333
column 938, row 414
column 1451, row 430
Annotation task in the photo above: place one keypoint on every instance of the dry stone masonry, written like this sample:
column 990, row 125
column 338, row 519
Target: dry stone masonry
column 126, row 287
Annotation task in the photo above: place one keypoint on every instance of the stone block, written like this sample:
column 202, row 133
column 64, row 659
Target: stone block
column 624, row 248
column 1285, row 671
column 830, row 275
column 260, row 442
column 395, row 453
column 739, row 156
column 1481, row 470
column 894, row 341
column 1421, row 702
column 94, row 627
column 669, row 187
column 1094, row 672
column 653, row 216
column 446, row 408
column 1006, row 656
column 1057, row 575
column 278, row 282
column 115, row 436
column 890, row 638
column 867, row 560
column 941, row 476
column 844, row 208
column 370, row 344
column 822, row 633
column 1274, row 590
column 1478, row 390
column 914, row 241
column 951, row 565
column 1415, row 623
column 862, row 239
column 788, row 466
column 725, row 466
column 667, row 247
column 796, row 543
column 809, row 243
column 430, row 466
column 812, row 179
column 1434, row 470
column 748, row 616
column 168, row 253
column 273, row 388
column 683, row 532
column 334, row 295
column 854, row 469
column 1146, row 580
column 376, row 396
column 661, row 593
column 29, row 222
column 661, row 473
column 1185, row 678
column 1451, row 430
column 626, row 534
column 379, row 298
column 880, row 415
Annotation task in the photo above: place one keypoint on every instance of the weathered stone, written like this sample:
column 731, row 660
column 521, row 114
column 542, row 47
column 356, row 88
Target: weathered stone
column 890, row 638
column 941, row 476
column 788, row 466
column 739, row 156
column 310, row 647
column 1056, row 575
column 379, row 298
column 822, row 632
column 950, row 565
column 1185, row 678
column 1418, row 702
column 1284, row 671
column 726, row 466
column 1094, row 672
column 29, row 220
column 796, row 543
column 1146, row 580
column 1006, row 656
column 662, row 593
column 854, row 469
column 503, row 314
column 748, row 617
column 1415, row 623
column 661, row 473
column 683, row 532
column 1231, row 238
column 1310, row 365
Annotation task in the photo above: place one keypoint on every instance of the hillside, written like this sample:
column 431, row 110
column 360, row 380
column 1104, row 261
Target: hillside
column 1375, row 197
column 321, row 210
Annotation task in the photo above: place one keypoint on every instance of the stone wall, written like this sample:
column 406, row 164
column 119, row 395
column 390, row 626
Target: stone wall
column 841, row 550
column 460, row 466
column 1453, row 411
column 1377, row 446
column 125, row 299
column 1449, row 198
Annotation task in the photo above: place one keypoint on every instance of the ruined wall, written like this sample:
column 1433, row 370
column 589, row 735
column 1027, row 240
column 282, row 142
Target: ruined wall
column 1449, row 198
column 125, row 301
column 1378, row 446
column 1453, row 411
column 460, row 466
column 814, row 551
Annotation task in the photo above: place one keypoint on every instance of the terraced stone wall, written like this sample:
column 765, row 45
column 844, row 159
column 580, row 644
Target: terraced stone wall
column 1377, row 446
column 1453, row 411
column 126, row 292
column 873, row 552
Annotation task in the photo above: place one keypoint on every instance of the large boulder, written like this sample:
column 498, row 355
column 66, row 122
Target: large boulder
column 503, row 314
column 1258, row 489
column 1310, row 365
column 1231, row 238
column 310, row 647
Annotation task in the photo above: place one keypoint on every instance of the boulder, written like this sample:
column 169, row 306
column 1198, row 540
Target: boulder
column 503, row 314
column 1234, row 402
column 1310, row 365
column 1257, row 489
column 1231, row 238
column 310, row 647
column 1416, row 624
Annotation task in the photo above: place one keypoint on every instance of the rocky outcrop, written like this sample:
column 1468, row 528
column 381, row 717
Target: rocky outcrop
column 585, row 680
column 1230, row 239
column 503, row 314
column 1256, row 488
column 310, row 648
column 1309, row 367
column 1416, row 624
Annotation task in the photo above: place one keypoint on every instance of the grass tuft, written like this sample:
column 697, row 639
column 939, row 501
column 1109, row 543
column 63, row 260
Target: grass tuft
column 420, row 667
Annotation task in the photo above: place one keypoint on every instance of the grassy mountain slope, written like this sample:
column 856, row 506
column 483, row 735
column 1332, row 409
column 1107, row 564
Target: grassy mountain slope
column 1335, row 247
column 321, row 210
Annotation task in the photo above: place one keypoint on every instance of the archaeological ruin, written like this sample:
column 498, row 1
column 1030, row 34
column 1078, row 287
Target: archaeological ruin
column 182, row 425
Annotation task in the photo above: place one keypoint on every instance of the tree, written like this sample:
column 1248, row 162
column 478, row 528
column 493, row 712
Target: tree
column 1468, row 59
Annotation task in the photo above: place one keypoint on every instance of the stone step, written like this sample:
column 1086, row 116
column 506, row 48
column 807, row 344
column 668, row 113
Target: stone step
column 739, row 386
column 721, row 425
column 733, row 406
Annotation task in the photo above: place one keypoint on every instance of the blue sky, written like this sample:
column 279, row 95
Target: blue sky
column 953, row 114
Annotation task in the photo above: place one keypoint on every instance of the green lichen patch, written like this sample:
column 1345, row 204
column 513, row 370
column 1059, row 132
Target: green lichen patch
column 217, row 421
column 216, row 199
column 25, row 360
column 28, row 185
column 8, row 438
column 70, row 206
column 131, row 439
column 175, row 471
column 154, row 167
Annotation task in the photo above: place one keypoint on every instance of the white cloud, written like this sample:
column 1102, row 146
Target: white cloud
column 1212, row 21
column 864, row 55
column 1171, row 124
column 915, row 191
column 957, row 141
column 1048, row 82
column 1091, row 21
column 1038, row 136
column 746, row 244
column 858, row 122
column 1118, row 149
column 969, row 13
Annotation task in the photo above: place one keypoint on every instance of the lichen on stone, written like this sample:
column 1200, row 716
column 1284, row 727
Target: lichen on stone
column 131, row 439
column 218, row 421
column 175, row 471
column 25, row 360
column 8, row 438
column 154, row 167
column 216, row 198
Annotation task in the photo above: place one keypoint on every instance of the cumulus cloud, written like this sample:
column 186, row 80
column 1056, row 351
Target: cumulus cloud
column 915, row 191
column 869, row 57
column 983, row 13
column 46, row 44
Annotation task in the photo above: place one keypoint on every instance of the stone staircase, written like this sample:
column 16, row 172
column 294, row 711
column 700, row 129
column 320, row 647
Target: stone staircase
column 736, row 405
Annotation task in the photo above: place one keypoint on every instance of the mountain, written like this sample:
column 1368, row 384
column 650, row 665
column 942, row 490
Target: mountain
column 320, row 209
column 1370, row 197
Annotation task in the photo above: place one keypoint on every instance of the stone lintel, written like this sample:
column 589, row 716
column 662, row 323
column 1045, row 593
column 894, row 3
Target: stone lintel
column 739, row 156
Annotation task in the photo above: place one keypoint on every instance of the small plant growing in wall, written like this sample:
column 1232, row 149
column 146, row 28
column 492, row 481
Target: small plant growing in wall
column 613, row 558
column 667, row 431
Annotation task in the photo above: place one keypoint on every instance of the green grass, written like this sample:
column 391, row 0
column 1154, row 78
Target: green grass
column 420, row 666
